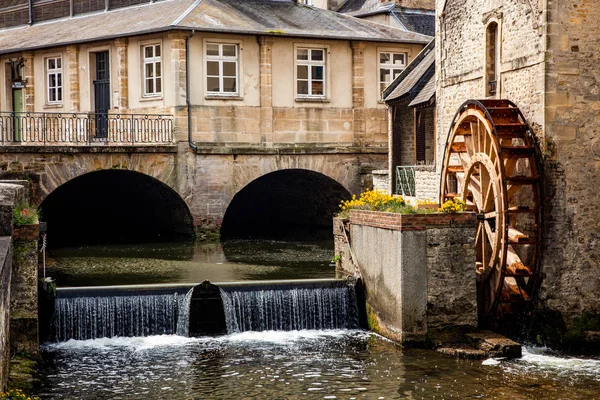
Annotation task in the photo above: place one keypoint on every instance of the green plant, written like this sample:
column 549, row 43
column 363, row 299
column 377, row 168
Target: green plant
column 336, row 258
column 16, row 394
column 24, row 214
column 375, row 200
column 453, row 206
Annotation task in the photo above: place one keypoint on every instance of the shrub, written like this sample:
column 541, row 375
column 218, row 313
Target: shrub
column 16, row 394
column 452, row 206
column 24, row 214
column 374, row 200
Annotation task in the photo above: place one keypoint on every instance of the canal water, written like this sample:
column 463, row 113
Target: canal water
column 297, row 364
column 190, row 262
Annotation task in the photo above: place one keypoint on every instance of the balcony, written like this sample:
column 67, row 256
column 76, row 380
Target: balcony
column 36, row 128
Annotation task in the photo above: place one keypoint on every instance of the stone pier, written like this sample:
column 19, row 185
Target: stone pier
column 417, row 270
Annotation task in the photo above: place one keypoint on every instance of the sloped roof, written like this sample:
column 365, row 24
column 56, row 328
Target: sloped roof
column 425, row 94
column 363, row 7
column 13, row 3
column 151, row 17
column 287, row 18
column 421, row 21
column 264, row 17
column 414, row 78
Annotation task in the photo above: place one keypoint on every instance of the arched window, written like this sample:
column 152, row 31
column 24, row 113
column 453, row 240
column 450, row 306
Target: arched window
column 492, row 59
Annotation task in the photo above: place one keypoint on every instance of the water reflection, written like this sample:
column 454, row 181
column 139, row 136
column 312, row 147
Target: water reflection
column 190, row 262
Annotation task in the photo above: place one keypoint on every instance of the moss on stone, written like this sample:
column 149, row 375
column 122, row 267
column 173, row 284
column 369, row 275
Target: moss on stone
column 583, row 323
column 23, row 373
column 372, row 319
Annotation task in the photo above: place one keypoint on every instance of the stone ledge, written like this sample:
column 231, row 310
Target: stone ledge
column 495, row 344
column 65, row 149
column 410, row 222
column 283, row 149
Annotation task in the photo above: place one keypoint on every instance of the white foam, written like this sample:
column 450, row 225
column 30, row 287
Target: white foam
column 285, row 337
column 136, row 343
column 540, row 357
column 148, row 342
column 490, row 361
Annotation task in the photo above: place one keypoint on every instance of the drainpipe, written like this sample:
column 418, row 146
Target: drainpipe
column 30, row 12
column 187, row 90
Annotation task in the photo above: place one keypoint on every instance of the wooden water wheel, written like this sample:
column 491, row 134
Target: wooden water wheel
column 492, row 163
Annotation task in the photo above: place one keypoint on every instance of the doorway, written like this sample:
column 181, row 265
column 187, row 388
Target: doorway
column 102, row 95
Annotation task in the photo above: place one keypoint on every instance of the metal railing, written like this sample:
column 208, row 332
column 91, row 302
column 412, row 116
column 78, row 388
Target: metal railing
column 405, row 181
column 85, row 128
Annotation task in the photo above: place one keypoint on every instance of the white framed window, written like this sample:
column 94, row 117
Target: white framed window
column 54, row 80
column 152, row 60
column 391, row 64
column 222, row 72
column 308, row 2
column 311, row 71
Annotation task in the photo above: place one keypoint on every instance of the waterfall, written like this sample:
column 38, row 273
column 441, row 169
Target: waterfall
column 183, row 318
column 291, row 309
column 84, row 318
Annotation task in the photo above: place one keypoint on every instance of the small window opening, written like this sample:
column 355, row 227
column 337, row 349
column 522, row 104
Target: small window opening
column 492, row 59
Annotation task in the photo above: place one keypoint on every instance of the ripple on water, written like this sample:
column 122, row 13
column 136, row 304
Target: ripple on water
column 320, row 364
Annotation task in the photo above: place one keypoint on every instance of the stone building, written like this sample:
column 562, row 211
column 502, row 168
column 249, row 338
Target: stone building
column 264, row 87
column 543, row 56
column 412, row 113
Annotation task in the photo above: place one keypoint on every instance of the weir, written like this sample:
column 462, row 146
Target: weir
column 204, row 309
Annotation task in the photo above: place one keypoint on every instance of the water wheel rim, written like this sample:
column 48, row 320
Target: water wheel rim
column 473, row 146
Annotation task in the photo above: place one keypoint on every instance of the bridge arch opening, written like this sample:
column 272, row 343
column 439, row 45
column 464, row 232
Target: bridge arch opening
column 115, row 206
column 291, row 204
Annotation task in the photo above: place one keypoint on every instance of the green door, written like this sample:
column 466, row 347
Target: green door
column 18, row 119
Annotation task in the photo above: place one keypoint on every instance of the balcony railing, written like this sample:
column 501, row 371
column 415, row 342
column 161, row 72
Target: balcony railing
column 405, row 181
column 85, row 128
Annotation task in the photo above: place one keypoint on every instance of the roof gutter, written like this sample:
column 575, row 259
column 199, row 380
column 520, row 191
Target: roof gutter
column 188, row 102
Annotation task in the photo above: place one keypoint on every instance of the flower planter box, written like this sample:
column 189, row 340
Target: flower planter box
column 26, row 232
column 410, row 222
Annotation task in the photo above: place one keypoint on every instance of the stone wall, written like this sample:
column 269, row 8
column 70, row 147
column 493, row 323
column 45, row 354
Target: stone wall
column 418, row 270
column 10, row 194
column 24, row 291
column 572, row 165
column 381, row 181
column 5, row 278
column 427, row 183
column 451, row 289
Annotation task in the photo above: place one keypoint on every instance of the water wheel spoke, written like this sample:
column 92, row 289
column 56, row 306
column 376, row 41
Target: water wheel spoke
column 490, row 237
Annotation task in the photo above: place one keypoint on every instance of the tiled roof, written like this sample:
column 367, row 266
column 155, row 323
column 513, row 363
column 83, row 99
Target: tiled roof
column 362, row 7
column 13, row 3
column 426, row 93
column 417, row 20
column 264, row 17
column 146, row 18
column 286, row 18
column 414, row 77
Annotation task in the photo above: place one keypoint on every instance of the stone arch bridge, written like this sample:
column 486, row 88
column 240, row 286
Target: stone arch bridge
column 196, row 186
